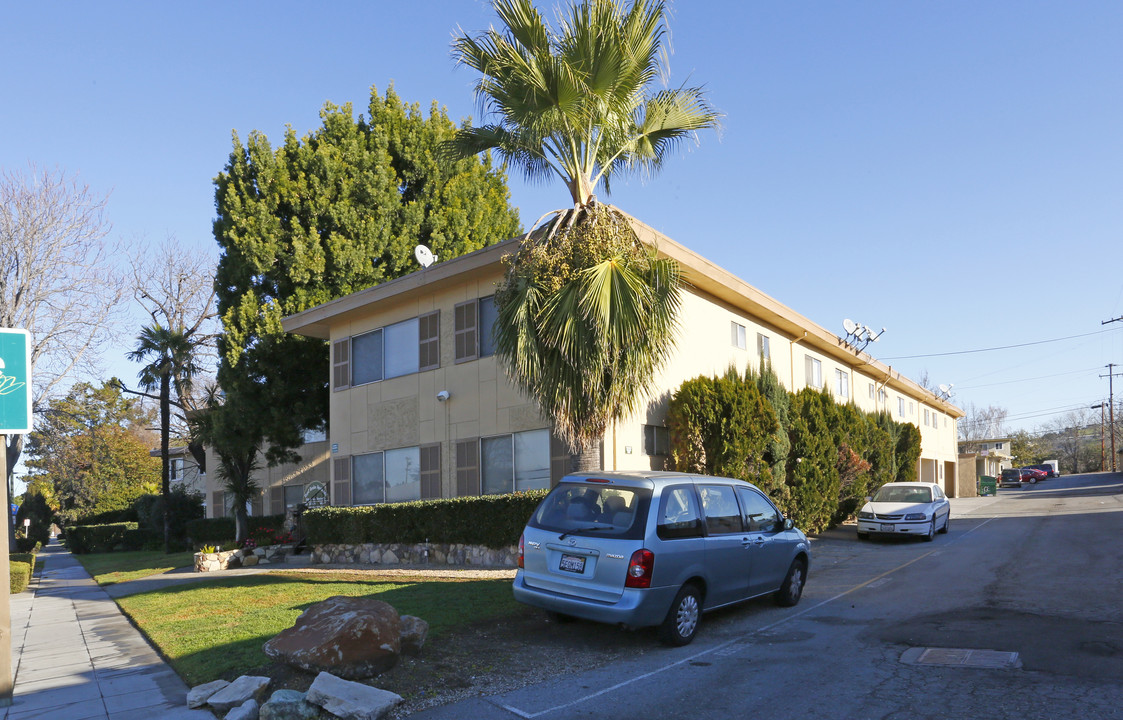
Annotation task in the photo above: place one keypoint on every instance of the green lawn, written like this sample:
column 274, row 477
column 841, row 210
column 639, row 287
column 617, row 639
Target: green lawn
column 214, row 628
column 115, row 567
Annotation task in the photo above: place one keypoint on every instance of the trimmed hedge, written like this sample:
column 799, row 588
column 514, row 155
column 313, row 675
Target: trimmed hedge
column 219, row 531
column 28, row 545
column 494, row 521
column 19, row 571
column 83, row 539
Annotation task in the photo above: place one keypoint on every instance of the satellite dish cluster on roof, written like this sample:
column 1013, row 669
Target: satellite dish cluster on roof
column 858, row 336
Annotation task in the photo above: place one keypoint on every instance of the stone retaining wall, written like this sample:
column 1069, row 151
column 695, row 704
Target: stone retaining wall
column 212, row 562
column 420, row 554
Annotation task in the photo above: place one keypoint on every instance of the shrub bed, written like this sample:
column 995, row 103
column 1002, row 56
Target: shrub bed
column 102, row 538
column 219, row 531
column 493, row 521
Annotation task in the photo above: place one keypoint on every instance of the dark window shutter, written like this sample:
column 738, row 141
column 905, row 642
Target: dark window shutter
column 276, row 500
column 218, row 504
column 559, row 459
column 430, row 471
column 341, row 364
column 464, row 331
column 341, row 481
column 468, row 467
column 429, row 334
column 256, row 505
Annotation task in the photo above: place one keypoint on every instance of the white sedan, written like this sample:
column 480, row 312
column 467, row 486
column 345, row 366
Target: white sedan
column 908, row 508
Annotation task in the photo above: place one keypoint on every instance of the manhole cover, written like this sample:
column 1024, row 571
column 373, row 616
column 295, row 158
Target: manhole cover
column 961, row 657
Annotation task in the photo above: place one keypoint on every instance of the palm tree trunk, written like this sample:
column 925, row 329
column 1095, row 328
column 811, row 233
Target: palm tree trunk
column 165, row 460
column 587, row 460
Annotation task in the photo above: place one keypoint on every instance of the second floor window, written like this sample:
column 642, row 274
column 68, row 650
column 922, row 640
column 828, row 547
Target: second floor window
column 841, row 383
column 814, row 371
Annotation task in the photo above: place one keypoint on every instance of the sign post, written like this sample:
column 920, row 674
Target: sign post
column 15, row 419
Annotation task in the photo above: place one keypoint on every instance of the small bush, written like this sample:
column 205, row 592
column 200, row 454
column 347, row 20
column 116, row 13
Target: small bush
column 97, row 538
column 20, row 573
column 493, row 521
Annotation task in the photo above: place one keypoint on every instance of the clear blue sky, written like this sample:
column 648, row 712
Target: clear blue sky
column 952, row 171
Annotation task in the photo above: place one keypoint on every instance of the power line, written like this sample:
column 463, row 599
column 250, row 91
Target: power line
column 1039, row 377
column 1001, row 347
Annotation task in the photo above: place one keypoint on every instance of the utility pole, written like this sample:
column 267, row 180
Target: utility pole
column 1103, row 460
column 1111, row 406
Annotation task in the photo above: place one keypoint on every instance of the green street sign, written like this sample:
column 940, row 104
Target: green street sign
column 15, row 382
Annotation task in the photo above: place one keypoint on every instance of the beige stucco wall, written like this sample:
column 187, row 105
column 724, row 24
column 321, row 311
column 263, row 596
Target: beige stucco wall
column 313, row 466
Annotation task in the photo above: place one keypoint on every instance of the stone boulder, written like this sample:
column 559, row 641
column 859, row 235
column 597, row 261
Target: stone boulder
column 247, row 687
column 291, row 705
column 413, row 634
column 350, row 700
column 349, row 637
column 246, row 711
column 197, row 696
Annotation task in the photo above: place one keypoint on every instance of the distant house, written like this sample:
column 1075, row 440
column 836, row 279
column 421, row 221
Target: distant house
column 185, row 469
column 421, row 407
column 282, row 487
column 988, row 456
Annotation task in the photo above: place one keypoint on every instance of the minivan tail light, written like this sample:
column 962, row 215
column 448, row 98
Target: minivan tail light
column 520, row 550
column 640, row 568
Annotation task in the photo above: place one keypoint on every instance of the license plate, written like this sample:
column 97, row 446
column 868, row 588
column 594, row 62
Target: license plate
column 887, row 528
column 573, row 563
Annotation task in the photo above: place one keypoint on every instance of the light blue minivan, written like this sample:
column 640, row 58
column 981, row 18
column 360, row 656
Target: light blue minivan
column 639, row 549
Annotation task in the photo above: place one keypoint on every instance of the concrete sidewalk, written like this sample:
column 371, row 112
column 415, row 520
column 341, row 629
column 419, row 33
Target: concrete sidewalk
column 76, row 657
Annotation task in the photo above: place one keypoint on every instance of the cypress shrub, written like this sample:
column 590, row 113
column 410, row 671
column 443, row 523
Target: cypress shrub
column 494, row 521
column 812, row 470
column 908, row 452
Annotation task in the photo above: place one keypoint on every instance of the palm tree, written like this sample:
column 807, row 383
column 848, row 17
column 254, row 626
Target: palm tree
column 575, row 102
column 171, row 364
column 586, row 312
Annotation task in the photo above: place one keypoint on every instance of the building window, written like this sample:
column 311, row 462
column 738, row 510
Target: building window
column 901, row 406
column 998, row 446
column 175, row 469
column 520, row 461
column 814, row 372
column 429, row 341
column 311, row 435
column 386, row 477
column 882, row 395
column 366, row 353
column 871, row 391
column 925, row 417
column 841, row 383
column 294, row 495
column 762, row 347
column 656, row 440
column 912, row 408
column 400, row 349
column 738, row 331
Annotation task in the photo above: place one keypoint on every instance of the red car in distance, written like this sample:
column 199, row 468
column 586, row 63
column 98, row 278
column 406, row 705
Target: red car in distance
column 1032, row 475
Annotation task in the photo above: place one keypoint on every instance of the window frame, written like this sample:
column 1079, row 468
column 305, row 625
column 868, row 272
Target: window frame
column 813, row 371
column 740, row 335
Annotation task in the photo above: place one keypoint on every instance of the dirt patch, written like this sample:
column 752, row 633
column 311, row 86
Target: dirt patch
column 487, row 657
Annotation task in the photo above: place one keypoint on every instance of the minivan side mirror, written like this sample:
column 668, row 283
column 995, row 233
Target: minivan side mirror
column 788, row 524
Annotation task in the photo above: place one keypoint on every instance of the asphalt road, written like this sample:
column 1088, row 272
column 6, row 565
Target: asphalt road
column 1035, row 572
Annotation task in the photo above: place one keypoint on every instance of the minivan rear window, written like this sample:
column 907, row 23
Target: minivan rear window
column 595, row 510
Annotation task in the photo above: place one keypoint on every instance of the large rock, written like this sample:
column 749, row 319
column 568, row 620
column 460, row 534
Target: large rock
column 246, row 711
column 413, row 633
column 197, row 696
column 247, row 687
column 290, row 705
column 350, row 700
column 349, row 637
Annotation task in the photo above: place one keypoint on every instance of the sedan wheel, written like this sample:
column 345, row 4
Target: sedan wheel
column 681, row 622
column 947, row 524
column 931, row 531
column 792, row 589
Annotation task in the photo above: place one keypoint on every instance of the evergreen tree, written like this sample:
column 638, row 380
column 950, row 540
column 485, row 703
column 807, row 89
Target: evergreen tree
column 322, row 216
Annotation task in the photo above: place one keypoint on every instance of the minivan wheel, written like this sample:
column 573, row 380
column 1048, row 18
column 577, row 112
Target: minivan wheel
column 792, row 589
column 682, row 620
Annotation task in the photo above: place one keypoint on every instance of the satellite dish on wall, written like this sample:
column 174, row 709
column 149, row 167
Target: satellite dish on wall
column 849, row 326
column 424, row 256
column 945, row 389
